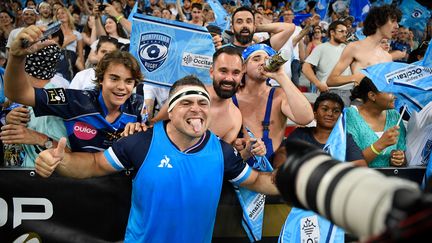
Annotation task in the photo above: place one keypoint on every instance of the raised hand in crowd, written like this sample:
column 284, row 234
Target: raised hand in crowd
column 249, row 147
column 49, row 159
column 32, row 34
column 134, row 127
column 389, row 137
column 18, row 116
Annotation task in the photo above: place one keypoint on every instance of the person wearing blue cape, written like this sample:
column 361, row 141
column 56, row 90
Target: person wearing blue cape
column 380, row 23
column 180, row 166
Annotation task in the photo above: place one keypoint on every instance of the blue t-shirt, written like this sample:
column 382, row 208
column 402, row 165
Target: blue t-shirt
column 353, row 152
column 175, row 194
column 84, row 112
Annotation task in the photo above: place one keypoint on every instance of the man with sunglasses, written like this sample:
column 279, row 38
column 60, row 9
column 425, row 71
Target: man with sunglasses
column 323, row 59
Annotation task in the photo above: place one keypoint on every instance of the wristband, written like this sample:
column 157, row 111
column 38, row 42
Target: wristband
column 118, row 18
column 374, row 150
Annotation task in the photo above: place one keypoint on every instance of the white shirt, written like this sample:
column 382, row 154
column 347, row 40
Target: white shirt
column 83, row 80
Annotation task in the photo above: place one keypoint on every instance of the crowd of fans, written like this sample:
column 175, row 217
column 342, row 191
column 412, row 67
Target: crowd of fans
column 90, row 30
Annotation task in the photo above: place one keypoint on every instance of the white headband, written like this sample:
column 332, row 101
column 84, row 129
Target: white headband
column 187, row 92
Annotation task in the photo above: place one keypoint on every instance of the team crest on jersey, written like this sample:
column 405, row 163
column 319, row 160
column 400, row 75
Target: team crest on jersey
column 153, row 50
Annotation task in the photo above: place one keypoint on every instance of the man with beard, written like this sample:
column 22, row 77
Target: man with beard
column 323, row 59
column 244, row 28
column 381, row 22
column 256, row 100
column 226, row 72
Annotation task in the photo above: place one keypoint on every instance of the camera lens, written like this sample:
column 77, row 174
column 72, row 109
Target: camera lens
column 358, row 199
column 102, row 7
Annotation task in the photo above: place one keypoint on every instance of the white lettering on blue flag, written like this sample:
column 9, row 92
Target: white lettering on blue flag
column 160, row 46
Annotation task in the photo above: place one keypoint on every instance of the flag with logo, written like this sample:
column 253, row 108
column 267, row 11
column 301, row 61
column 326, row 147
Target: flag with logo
column 169, row 50
column 252, row 202
column 359, row 10
column 307, row 226
column 222, row 19
column 414, row 15
column 411, row 84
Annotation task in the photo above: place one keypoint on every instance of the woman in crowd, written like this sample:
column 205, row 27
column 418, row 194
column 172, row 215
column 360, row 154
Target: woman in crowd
column 316, row 40
column 6, row 26
column 374, row 126
column 73, row 43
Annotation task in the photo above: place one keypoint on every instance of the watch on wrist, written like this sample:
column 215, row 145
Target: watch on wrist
column 48, row 143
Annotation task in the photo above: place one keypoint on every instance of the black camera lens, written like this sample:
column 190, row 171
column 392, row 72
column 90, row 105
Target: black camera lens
column 101, row 7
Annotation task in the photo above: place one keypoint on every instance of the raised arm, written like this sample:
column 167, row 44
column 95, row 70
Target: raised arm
column 295, row 106
column 17, row 87
column 75, row 165
column 182, row 17
column 280, row 33
column 347, row 57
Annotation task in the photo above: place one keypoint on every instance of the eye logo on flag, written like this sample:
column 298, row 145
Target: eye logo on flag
column 153, row 50
column 417, row 13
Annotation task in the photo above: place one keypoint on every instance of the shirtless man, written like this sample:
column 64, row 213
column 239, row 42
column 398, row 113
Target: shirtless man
column 380, row 23
column 226, row 72
column 256, row 97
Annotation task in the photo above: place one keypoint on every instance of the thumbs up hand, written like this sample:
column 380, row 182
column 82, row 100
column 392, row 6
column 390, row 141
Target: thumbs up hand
column 49, row 159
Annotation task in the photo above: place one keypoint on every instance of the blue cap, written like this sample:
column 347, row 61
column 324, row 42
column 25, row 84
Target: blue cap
column 257, row 47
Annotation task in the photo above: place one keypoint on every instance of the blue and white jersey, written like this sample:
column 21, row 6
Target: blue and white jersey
column 175, row 194
column 84, row 112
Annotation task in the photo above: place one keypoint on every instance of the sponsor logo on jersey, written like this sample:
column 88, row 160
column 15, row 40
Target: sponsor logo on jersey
column 56, row 96
column 165, row 163
column 84, row 131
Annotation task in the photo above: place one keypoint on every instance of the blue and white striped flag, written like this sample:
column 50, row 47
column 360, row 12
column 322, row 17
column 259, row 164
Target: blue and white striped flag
column 252, row 202
column 414, row 15
column 302, row 225
column 169, row 50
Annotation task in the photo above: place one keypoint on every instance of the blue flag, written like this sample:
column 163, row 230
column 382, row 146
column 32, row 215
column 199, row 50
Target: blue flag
column 299, row 18
column 307, row 226
column 133, row 11
column 414, row 15
column 252, row 202
column 427, row 59
column 336, row 143
column 359, row 10
column 428, row 173
column 322, row 8
column 411, row 84
column 169, row 50
column 222, row 18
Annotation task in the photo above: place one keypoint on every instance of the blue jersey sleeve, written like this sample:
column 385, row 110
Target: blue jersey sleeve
column 65, row 103
column 235, row 169
column 129, row 152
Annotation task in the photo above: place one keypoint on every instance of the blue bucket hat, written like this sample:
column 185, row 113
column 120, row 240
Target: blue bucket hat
column 257, row 48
